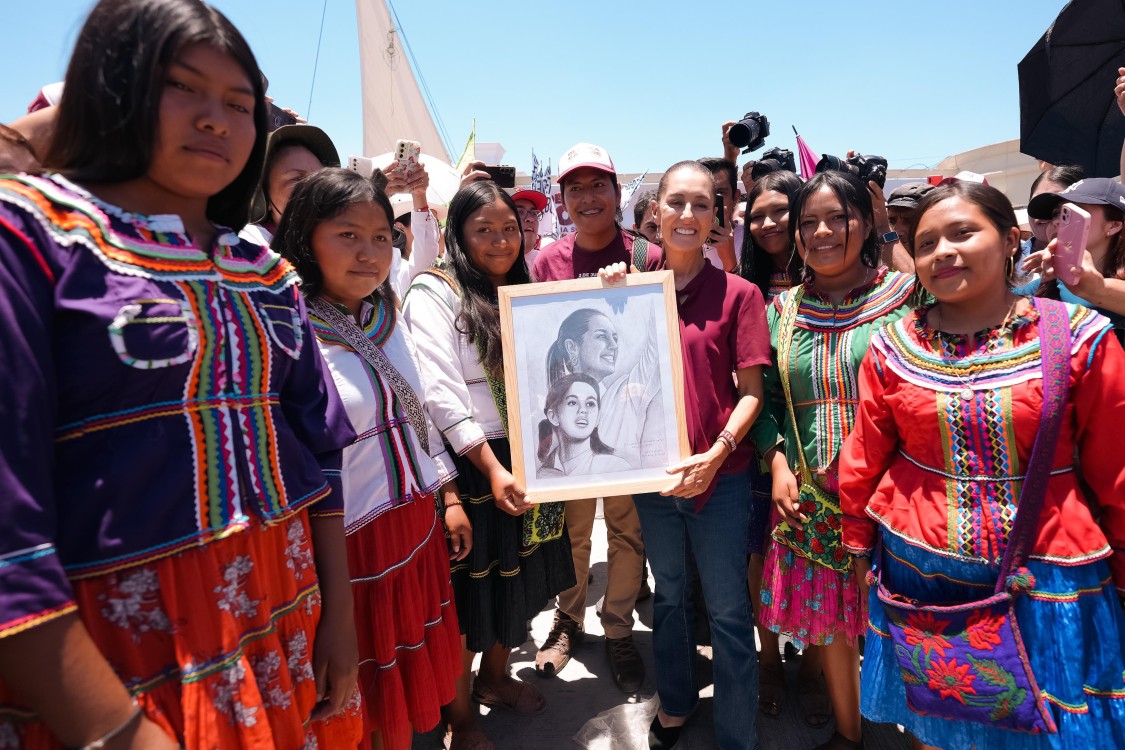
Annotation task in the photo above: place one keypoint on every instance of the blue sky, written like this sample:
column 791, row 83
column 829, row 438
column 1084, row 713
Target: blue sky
column 913, row 81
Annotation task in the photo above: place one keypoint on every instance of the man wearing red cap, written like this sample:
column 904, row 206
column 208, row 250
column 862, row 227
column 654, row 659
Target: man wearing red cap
column 530, row 205
column 591, row 195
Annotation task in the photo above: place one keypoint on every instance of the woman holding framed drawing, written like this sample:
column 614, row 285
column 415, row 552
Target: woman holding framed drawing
column 519, row 559
column 722, row 332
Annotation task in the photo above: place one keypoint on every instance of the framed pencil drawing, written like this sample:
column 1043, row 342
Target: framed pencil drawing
column 594, row 381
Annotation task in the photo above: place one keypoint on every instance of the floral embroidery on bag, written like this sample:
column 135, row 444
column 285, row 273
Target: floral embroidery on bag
column 138, row 608
column 226, row 697
column 981, row 685
column 984, row 630
column 950, row 679
column 923, row 630
column 232, row 598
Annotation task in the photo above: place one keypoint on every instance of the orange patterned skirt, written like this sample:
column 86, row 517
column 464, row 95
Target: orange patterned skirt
column 406, row 621
column 215, row 643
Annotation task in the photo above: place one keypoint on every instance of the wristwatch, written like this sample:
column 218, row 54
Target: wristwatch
column 889, row 237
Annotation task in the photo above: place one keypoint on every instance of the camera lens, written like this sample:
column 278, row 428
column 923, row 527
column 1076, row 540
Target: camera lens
column 764, row 167
column 830, row 163
column 743, row 132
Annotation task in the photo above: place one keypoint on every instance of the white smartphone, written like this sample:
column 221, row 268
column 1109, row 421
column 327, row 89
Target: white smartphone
column 361, row 165
column 406, row 154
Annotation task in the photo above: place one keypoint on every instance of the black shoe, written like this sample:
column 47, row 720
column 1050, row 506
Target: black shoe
column 625, row 664
column 661, row 737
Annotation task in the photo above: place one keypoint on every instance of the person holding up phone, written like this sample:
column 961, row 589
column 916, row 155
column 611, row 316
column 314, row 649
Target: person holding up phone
column 1093, row 277
column 724, row 243
column 407, row 174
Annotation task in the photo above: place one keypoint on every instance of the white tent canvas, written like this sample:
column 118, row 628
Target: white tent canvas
column 393, row 106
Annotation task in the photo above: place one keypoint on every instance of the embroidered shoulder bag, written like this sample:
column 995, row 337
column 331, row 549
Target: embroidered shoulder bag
column 967, row 662
column 819, row 539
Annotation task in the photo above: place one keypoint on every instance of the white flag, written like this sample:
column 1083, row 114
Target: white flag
column 630, row 188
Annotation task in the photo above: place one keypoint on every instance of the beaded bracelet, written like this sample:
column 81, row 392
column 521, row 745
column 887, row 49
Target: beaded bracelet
column 105, row 739
column 451, row 503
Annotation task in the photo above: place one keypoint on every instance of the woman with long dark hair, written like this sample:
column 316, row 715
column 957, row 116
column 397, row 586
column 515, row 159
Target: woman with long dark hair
column 819, row 331
column 520, row 558
column 400, row 495
column 569, row 443
column 770, row 261
column 935, row 481
column 172, row 569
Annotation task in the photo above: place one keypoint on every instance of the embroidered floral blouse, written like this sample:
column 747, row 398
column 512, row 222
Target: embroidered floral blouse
column 156, row 396
column 925, row 435
column 386, row 466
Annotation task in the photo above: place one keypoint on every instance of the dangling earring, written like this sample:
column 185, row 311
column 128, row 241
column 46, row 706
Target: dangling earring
column 806, row 273
column 1010, row 267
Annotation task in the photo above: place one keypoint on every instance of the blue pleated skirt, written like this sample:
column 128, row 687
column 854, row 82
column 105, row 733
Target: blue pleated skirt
column 1073, row 626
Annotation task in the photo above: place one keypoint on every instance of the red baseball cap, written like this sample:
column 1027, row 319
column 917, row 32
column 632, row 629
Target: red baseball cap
column 536, row 198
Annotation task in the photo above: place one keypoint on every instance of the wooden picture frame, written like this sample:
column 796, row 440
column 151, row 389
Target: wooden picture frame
column 579, row 352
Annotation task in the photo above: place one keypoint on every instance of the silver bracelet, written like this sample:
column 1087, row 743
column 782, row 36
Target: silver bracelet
column 102, row 741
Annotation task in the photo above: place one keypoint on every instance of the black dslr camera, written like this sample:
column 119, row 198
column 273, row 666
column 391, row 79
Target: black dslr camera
column 750, row 132
column 774, row 160
column 866, row 168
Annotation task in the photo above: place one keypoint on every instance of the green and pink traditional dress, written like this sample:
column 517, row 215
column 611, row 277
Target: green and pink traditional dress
column 808, row 591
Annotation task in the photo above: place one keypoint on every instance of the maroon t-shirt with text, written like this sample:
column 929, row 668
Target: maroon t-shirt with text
column 564, row 259
column 723, row 329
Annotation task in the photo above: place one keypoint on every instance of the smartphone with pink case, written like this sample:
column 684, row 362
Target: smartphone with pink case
column 1074, row 230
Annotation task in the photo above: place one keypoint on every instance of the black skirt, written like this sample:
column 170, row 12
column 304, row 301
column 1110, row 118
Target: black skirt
column 502, row 584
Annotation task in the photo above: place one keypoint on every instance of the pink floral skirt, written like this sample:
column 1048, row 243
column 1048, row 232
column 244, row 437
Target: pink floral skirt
column 808, row 602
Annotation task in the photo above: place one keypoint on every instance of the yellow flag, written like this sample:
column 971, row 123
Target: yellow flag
column 470, row 152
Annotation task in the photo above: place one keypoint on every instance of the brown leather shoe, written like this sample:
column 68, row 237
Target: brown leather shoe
column 625, row 664
column 565, row 635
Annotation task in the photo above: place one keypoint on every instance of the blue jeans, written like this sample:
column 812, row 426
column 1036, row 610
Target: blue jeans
column 717, row 537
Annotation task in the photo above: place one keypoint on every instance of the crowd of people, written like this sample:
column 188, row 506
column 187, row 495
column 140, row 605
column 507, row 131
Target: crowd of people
column 256, row 472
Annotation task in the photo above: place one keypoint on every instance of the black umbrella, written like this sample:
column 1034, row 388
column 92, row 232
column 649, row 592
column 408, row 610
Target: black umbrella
column 1068, row 114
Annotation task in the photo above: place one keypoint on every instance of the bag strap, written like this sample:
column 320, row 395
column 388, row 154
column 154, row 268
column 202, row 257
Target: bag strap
column 785, row 329
column 347, row 328
column 640, row 253
column 1054, row 355
column 496, row 385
